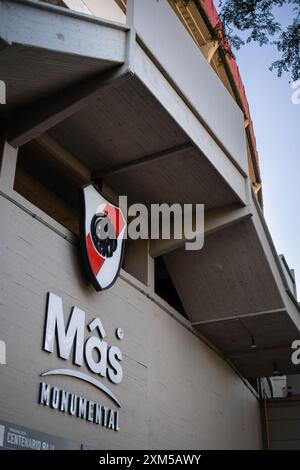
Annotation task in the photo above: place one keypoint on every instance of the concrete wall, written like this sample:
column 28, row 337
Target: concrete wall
column 176, row 392
column 107, row 9
column 284, row 423
column 163, row 34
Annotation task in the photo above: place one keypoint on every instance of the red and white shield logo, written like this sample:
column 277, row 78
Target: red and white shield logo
column 102, row 233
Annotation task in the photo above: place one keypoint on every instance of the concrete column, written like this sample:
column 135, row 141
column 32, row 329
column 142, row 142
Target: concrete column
column 8, row 163
column 138, row 262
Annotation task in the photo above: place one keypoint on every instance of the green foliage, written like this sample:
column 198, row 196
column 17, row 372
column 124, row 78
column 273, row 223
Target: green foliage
column 256, row 19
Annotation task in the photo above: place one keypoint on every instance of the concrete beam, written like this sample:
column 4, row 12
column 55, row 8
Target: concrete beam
column 156, row 24
column 64, row 158
column 237, row 317
column 257, row 187
column 258, row 350
column 38, row 25
column 209, row 50
column 168, row 96
column 292, row 305
column 36, row 119
column 215, row 220
column 143, row 161
column 8, row 163
column 138, row 263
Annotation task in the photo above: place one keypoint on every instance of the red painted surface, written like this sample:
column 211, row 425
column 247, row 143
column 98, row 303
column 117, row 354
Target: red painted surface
column 96, row 259
column 116, row 218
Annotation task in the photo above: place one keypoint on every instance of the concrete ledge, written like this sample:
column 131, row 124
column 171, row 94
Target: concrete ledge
column 148, row 72
column 40, row 25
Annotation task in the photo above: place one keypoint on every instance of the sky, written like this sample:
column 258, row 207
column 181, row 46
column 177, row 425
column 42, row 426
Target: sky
column 277, row 128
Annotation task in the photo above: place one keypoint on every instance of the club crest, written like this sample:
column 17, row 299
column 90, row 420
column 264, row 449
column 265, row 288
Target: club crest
column 102, row 234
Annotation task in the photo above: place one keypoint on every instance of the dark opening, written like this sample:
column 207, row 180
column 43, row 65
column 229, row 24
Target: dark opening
column 43, row 181
column 165, row 288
